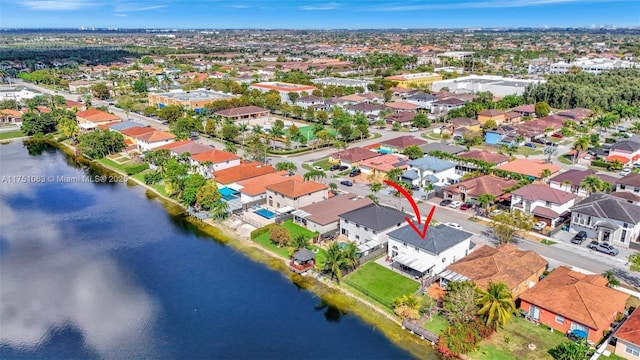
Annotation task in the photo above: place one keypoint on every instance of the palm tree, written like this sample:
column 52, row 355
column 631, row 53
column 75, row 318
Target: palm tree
column 496, row 304
column 297, row 243
column 257, row 129
column 220, row 210
column 375, row 187
column 592, row 184
column 243, row 128
column 485, row 200
column 612, row 280
column 315, row 175
column 581, row 144
column 350, row 254
column 545, row 173
column 333, row 187
column 334, row 262
column 394, row 174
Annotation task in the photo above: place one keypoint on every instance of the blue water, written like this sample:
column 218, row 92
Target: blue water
column 92, row 271
column 265, row 213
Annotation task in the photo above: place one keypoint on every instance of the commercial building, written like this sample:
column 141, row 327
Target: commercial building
column 497, row 85
column 593, row 66
column 190, row 100
column 419, row 79
column 325, row 81
column 284, row 89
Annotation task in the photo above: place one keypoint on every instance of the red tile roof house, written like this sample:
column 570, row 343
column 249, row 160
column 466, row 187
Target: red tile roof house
column 405, row 119
column 243, row 113
column 241, row 172
column 401, row 106
column 566, row 300
column 400, row 143
column 577, row 114
column 350, row 157
column 526, row 110
column 185, row 146
column 570, row 180
column 90, row 119
column 323, row 216
column 151, row 140
column 8, row 116
column 628, row 337
column 530, row 168
column 543, row 202
column 483, row 155
column 470, row 189
column 295, row 194
column 254, row 190
column 214, row 160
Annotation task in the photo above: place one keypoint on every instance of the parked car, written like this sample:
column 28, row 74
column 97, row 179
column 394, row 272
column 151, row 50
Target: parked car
column 415, row 187
column 579, row 238
column 466, row 206
column 539, row 226
column 495, row 212
column 343, row 167
column 530, row 145
column 334, row 167
column 556, row 135
column 318, row 168
column 355, row 172
column 637, row 166
column 346, row 183
column 587, row 157
column 194, row 135
column 454, row 225
column 539, row 141
column 455, row 204
column 445, row 202
column 625, row 172
column 603, row 247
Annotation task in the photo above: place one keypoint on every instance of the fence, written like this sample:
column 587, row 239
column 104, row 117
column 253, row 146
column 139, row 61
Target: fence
column 368, row 294
column 417, row 329
column 373, row 255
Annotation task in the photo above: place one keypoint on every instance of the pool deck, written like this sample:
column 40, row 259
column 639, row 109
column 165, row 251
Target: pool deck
column 258, row 219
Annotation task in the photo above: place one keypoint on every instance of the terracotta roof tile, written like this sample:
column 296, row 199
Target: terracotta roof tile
column 215, row 156
column 136, row 131
column 528, row 167
column 484, row 155
column 630, row 330
column 327, row 211
column 95, row 115
column 155, row 135
column 485, row 184
column 534, row 192
column 257, row 185
column 241, row 172
column 294, row 188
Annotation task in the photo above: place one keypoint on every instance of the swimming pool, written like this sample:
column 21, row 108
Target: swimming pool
column 265, row 213
column 384, row 151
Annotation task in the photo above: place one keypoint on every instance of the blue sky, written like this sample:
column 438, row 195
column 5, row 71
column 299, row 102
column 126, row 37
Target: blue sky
column 314, row 14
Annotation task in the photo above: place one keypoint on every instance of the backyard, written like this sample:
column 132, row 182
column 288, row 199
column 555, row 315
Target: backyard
column 436, row 324
column 294, row 230
column 5, row 135
column 379, row 283
column 512, row 341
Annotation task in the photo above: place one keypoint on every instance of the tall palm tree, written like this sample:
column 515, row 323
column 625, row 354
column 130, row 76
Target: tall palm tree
column 485, row 200
column 496, row 304
column 334, row 262
column 298, row 242
column 231, row 147
column 243, row 128
column 581, row 144
column 592, row 184
column 612, row 280
column 394, row 174
column 375, row 187
column 545, row 173
column 350, row 254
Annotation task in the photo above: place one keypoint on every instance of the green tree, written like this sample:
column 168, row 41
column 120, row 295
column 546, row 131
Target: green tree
column 407, row 307
column 421, row 121
column 634, row 262
column 174, row 175
column 158, row 157
column 581, row 144
column 100, row 90
column 542, row 109
column 336, row 261
column 413, row 152
column 293, row 97
column 170, row 113
column 231, row 147
column 183, row 127
column 279, row 235
column 394, row 174
column 229, row 132
column 99, row 143
column 256, row 150
column 592, row 184
column 286, row 166
column 490, row 124
column 507, row 224
column 296, row 243
column 570, row 350
column 208, row 195
column 314, row 175
column 484, row 200
column 140, row 86
column 38, row 123
column 496, row 304
column 68, row 126
column 459, row 303
column 612, row 280
column 192, row 185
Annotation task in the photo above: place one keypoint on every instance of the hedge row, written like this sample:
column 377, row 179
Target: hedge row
column 257, row 232
column 135, row 169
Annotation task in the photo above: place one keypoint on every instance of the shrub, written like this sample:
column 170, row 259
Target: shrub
column 462, row 337
column 599, row 163
column 135, row 169
column 152, row 178
column 257, row 232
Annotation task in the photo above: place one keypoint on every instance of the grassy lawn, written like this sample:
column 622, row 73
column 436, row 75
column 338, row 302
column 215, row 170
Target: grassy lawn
column 563, row 159
column 5, row 135
column 324, row 163
column 436, row 324
column 294, row 230
column 527, row 151
column 112, row 164
column 511, row 342
column 381, row 283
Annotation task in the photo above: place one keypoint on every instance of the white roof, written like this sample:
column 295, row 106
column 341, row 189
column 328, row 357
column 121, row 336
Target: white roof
column 414, row 262
column 87, row 125
column 285, row 209
column 371, row 244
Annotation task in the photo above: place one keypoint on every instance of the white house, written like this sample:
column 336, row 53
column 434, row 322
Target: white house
column 543, row 202
column 607, row 218
column 423, row 100
column 427, row 257
column 571, row 179
column 214, row 160
column 628, row 188
column 295, row 194
column 153, row 139
column 370, row 223
column 430, row 170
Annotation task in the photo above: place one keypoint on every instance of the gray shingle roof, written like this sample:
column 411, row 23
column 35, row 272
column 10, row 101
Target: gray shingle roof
column 608, row 207
column 376, row 217
column 439, row 238
column 125, row 125
column 432, row 163
column 303, row 255
column 411, row 175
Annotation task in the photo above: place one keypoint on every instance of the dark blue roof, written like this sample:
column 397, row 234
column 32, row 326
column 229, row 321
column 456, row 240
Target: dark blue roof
column 439, row 238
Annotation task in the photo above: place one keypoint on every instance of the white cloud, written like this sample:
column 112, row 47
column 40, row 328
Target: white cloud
column 132, row 7
column 239, row 6
column 59, row 4
column 319, row 7
column 122, row 15
column 488, row 4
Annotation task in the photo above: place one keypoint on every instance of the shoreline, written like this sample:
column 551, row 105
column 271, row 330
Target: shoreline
column 328, row 292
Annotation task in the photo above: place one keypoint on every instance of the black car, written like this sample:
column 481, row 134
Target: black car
column 355, row 172
column 334, row 167
column 346, row 183
column 445, row 202
column 580, row 237
column 539, row 141
column 343, row 167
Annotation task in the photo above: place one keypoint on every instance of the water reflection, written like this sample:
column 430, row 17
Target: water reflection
column 331, row 313
column 52, row 280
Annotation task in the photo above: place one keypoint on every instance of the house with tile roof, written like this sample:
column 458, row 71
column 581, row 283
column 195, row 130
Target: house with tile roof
column 294, row 194
column 254, row 191
column 570, row 180
column 241, row 172
column 469, row 123
column 131, row 134
column 487, row 156
column 569, row 300
column 214, row 160
column 401, row 106
column 153, row 139
column 629, row 186
column 607, row 218
column 423, row 258
column 400, row 143
column 491, row 114
column 243, row 113
column 577, row 114
column 628, row 337
column 323, row 217
column 185, row 146
column 430, row 170
column 404, row 119
column 469, row 190
column 370, row 223
column 382, row 164
column 8, row 116
column 525, row 110
column 625, row 151
column 529, row 168
column 350, row 157
column 90, row 119
column 518, row 269
column 543, row 202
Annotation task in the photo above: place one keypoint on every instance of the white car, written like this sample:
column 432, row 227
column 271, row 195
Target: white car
column 495, row 212
column 454, row 225
column 539, row 226
column 587, row 157
column 455, row 204
column 318, row 168
column 625, row 172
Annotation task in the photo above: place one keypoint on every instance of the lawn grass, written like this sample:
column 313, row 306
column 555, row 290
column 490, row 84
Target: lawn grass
column 264, row 240
column 514, row 338
column 436, row 324
column 563, row 159
column 6, row 135
column 382, row 284
column 527, row 151
column 113, row 164
column 324, row 163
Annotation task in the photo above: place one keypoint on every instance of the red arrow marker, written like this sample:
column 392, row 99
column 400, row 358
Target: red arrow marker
column 422, row 233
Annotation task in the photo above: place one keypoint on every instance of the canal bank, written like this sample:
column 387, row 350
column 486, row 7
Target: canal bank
column 327, row 291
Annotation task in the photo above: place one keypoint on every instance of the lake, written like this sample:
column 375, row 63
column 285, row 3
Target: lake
column 98, row 270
